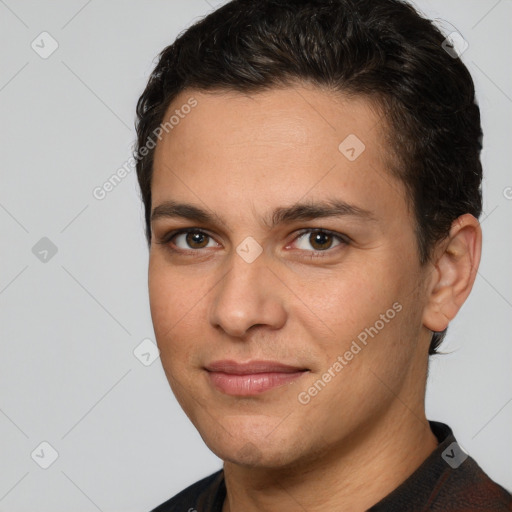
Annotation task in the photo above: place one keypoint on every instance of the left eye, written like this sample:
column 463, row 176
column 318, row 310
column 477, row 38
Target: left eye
column 320, row 240
column 194, row 239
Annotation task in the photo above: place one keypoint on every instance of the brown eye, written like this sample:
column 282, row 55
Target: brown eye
column 187, row 240
column 320, row 240
column 196, row 239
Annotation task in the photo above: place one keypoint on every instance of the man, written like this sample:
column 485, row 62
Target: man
column 310, row 172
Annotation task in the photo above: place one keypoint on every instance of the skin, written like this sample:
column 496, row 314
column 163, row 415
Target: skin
column 240, row 157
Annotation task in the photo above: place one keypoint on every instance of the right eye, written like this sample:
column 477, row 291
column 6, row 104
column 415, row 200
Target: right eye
column 186, row 240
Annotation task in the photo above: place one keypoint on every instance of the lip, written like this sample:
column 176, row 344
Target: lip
column 251, row 378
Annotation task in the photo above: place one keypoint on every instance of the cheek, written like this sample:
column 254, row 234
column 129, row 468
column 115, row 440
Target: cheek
column 173, row 294
column 359, row 313
column 174, row 301
column 175, row 308
column 345, row 302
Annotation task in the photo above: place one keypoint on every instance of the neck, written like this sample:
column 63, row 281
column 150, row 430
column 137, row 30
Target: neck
column 358, row 471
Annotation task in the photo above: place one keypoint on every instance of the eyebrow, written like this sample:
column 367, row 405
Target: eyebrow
column 282, row 215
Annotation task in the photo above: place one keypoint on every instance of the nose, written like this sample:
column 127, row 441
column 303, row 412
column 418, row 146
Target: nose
column 248, row 295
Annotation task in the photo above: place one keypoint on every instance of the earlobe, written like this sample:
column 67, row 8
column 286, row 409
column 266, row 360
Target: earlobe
column 455, row 269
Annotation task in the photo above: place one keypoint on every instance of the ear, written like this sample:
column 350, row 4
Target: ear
column 455, row 267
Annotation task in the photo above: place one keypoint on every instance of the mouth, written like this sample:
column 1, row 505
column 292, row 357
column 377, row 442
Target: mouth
column 251, row 378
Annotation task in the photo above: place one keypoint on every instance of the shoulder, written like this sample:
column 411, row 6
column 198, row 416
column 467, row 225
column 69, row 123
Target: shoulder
column 204, row 495
column 463, row 484
column 468, row 487
column 449, row 480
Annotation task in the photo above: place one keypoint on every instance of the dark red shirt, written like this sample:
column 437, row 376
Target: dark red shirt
column 447, row 481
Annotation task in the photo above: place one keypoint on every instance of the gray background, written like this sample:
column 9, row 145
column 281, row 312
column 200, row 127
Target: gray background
column 70, row 323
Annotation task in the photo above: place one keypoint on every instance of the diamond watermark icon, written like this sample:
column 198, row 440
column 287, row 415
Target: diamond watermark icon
column 44, row 45
column 454, row 455
column 44, row 455
column 455, row 45
column 249, row 249
column 146, row 352
column 351, row 147
column 44, row 250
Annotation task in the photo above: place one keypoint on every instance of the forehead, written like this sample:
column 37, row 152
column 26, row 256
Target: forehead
column 281, row 118
column 273, row 147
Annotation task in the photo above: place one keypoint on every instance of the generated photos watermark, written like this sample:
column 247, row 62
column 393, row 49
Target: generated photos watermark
column 304, row 397
column 100, row 192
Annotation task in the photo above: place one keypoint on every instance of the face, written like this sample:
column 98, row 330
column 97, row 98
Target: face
column 285, row 286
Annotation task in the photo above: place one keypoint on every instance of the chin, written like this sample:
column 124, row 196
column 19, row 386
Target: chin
column 252, row 455
column 253, row 446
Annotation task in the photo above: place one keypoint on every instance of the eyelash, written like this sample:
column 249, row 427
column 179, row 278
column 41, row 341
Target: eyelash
column 166, row 240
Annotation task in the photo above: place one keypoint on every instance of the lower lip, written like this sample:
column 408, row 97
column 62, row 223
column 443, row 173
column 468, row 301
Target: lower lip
column 252, row 384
